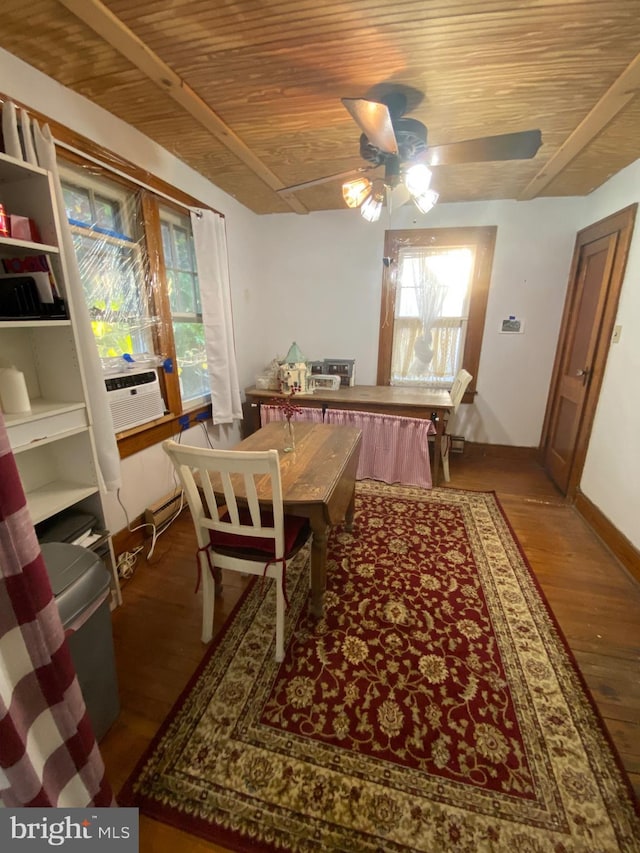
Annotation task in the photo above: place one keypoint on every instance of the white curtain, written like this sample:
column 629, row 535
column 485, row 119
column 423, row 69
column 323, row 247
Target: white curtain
column 430, row 295
column 447, row 350
column 430, row 315
column 33, row 138
column 215, row 296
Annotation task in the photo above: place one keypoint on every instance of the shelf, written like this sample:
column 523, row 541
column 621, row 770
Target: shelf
column 42, row 409
column 11, row 246
column 32, row 324
column 48, row 421
column 53, row 444
column 54, row 497
column 12, row 169
column 48, row 439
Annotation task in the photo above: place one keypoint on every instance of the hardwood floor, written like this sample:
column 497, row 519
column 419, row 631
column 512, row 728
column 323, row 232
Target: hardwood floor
column 596, row 602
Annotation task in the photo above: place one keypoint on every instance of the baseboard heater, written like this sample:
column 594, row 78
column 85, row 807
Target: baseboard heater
column 135, row 398
column 164, row 509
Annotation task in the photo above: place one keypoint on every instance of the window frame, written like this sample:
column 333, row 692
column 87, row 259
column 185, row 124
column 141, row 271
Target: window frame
column 176, row 218
column 482, row 240
column 179, row 416
column 125, row 198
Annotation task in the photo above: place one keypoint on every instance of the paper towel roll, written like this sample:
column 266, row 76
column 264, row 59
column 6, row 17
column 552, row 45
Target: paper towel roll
column 13, row 392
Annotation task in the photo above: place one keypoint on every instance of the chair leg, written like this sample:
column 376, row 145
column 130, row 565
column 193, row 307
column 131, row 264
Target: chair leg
column 445, row 445
column 279, row 620
column 208, row 599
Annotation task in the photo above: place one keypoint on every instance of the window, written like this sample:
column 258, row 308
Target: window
column 434, row 298
column 138, row 270
column 184, row 300
column 106, row 233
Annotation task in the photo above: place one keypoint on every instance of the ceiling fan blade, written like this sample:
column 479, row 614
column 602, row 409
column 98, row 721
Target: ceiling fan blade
column 507, row 146
column 303, row 186
column 374, row 120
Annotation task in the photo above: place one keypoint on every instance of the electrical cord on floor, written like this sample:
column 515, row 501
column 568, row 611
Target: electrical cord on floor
column 160, row 530
column 126, row 561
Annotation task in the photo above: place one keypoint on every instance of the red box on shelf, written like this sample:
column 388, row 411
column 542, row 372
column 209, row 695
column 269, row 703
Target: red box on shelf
column 23, row 228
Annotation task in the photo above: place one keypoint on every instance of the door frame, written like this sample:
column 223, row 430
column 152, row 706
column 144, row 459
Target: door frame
column 621, row 222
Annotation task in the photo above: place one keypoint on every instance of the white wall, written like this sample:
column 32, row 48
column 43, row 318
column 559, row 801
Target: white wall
column 316, row 279
column 327, row 268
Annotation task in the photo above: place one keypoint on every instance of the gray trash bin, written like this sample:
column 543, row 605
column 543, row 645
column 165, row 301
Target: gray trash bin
column 80, row 583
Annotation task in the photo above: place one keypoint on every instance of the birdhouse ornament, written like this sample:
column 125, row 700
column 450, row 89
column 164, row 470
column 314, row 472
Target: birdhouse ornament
column 293, row 372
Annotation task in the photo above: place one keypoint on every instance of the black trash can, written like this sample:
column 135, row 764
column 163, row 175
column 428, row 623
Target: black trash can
column 80, row 583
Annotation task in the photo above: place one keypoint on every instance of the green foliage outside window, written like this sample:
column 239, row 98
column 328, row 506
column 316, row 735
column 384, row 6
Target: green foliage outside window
column 184, row 298
column 111, row 253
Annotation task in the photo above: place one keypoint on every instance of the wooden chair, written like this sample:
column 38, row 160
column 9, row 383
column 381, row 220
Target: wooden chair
column 236, row 532
column 460, row 383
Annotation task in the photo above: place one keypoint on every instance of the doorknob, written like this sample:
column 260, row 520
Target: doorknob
column 582, row 372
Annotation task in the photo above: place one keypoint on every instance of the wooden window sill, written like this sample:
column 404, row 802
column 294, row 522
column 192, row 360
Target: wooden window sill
column 134, row 440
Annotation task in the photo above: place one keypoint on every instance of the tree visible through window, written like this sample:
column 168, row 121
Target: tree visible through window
column 139, row 276
column 106, row 230
column 184, row 299
column 434, row 298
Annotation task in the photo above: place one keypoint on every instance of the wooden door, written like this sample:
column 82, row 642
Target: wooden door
column 594, row 288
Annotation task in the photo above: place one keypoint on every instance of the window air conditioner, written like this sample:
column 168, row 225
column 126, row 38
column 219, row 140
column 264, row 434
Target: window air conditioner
column 134, row 398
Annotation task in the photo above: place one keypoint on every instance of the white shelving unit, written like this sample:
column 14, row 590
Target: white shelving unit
column 54, row 444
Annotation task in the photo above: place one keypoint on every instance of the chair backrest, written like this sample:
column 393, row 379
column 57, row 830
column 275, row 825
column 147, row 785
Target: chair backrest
column 460, row 383
column 244, row 477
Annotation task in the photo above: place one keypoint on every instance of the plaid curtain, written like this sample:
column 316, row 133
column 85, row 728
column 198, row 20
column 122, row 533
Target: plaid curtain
column 48, row 753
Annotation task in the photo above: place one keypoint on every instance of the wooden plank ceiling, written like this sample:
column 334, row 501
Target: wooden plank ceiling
column 247, row 92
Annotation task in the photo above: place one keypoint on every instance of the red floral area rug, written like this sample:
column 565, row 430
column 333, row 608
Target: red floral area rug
column 435, row 707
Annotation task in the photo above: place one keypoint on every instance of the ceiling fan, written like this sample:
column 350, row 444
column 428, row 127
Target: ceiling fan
column 399, row 143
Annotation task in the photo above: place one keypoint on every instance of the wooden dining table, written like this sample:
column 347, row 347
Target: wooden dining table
column 318, row 482
column 422, row 403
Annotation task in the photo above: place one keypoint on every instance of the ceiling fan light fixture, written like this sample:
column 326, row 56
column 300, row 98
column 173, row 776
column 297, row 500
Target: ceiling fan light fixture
column 425, row 201
column 372, row 207
column 417, row 179
column 355, row 192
